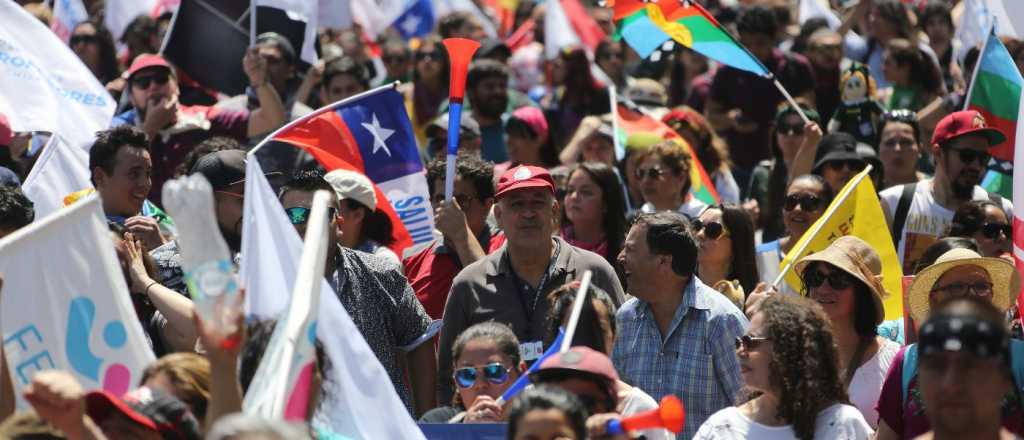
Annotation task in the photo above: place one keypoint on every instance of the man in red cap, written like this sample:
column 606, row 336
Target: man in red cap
column 175, row 129
column 511, row 285
column 919, row 213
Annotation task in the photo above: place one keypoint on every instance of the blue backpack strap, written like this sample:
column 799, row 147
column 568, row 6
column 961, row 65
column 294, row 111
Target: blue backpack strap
column 1017, row 364
column 909, row 370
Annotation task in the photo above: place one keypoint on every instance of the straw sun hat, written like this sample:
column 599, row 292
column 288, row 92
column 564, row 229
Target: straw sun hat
column 853, row 256
column 1004, row 279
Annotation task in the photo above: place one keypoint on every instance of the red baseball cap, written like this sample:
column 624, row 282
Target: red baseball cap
column 147, row 407
column 965, row 122
column 524, row 176
column 579, row 360
column 146, row 61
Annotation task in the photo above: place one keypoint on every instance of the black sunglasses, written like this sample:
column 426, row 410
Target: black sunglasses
column 300, row 215
column 967, row 155
column 421, row 56
column 83, row 39
column 814, row 279
column 712, row 230
column 852, row 164
column 650, row 173
column 992, row 230
column 807, row 202
column 748, row 342
column 790, row 129
column 143, row 82
column 394, row 58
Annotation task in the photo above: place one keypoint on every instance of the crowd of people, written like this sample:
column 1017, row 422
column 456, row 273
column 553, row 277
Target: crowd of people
column 682, row 300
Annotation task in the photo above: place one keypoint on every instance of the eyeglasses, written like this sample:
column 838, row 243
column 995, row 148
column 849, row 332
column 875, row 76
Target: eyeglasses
column 968, row 156
column 143, row 82
column 827, row 47
column 790, row 129
column 748, row 342
column 838, row 280
column 712, row 230
column 807, row 202
column 394, row 58
column 299, row 215
column 422, row 56
column 992, row 230
column 82, row 39
column 980, row 288
column 651, row 173
column 495, row 373
column 851, row 164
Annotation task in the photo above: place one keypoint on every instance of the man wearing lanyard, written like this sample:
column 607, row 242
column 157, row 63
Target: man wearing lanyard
column 512, row 284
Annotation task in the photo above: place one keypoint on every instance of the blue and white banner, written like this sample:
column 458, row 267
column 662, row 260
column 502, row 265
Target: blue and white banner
column 60, row 171
column 43, row 84
column 65, row 303
column 66, row 15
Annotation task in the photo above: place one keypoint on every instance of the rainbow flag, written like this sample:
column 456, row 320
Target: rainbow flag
column 646, row 25
column 631, row 122
column 995, row 93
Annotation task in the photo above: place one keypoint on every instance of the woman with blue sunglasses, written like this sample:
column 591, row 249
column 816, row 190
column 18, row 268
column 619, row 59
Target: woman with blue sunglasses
column 487, row 362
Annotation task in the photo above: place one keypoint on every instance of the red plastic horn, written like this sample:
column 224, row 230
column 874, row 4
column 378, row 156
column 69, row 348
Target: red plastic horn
column 670, row 415
column 460, row 53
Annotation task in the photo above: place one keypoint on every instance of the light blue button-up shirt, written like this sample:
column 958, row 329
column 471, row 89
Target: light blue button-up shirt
column 696, row 360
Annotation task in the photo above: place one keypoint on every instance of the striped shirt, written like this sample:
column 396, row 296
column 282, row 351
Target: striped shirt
column 695, row 361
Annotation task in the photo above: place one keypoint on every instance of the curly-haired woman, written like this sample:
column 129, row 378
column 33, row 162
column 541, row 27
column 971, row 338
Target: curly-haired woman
column 790, row 365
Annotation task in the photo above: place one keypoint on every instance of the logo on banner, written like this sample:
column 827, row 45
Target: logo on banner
column 116, row 378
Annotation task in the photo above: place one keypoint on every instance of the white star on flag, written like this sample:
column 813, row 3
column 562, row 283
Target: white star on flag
column 410, row 24
column 380, row 134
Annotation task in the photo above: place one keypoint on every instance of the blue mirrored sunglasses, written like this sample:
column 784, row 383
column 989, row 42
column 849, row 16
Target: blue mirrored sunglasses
column 300, row 215
column 495, row 373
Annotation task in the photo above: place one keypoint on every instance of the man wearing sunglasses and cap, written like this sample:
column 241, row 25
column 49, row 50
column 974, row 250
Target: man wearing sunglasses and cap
column 511, row 285
column 919, row 213
column 174, row 129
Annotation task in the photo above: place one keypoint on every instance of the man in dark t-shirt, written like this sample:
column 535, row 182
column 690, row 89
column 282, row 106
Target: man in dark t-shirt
column 741, row 104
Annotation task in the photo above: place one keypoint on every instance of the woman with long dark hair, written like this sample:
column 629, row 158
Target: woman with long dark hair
column 429, row 87
column 575, row 94
column 791, row 368
column 594, row 212
column 915, row 80
column 92, row 42
column 726, row 255
column 987, row 224
column 770, row 178
column 845, row 279
column 363, row 226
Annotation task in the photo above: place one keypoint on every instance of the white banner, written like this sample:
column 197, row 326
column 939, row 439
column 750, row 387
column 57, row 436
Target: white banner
column 299, row 10
column 66, row 15
column 66, row 305
column 281, row 386
column 119, row 13
column 376, row 15
column 60, row 171
column 809, row 9
column 45, row 87
column 271, row 250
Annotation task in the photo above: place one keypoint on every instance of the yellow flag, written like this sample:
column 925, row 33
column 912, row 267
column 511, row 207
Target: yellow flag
column 855, row 211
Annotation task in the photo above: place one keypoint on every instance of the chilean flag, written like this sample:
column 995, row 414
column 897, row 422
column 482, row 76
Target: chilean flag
column 370, row 133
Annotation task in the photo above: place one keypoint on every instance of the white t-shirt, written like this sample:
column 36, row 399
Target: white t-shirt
column 638, row 401
column 926, row 220
column 837, row 422
column 867, row 381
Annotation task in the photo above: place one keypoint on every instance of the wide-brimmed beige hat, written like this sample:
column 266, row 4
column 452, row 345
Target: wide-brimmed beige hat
column 1005, row 279
column 855, row 257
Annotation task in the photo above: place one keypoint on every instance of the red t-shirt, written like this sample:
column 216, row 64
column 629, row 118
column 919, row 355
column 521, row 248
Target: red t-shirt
column 432, row 270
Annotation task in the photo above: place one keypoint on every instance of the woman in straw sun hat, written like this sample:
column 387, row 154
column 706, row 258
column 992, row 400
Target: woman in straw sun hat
column 955, row 274
column 845, row 280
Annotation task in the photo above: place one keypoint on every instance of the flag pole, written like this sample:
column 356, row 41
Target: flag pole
column 789, row 98
column 821, row 223
column 321, row 110
column 577, row 308
column 252, row 23
column 977, row 65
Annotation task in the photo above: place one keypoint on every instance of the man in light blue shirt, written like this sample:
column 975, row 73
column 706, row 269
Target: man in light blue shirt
column 677, row 335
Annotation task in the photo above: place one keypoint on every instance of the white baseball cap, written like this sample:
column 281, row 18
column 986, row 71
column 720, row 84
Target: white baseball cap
column 352, row 185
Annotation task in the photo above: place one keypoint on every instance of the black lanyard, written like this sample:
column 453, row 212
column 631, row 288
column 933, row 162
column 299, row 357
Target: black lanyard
column 528, row 312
